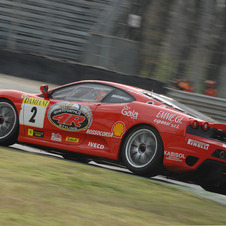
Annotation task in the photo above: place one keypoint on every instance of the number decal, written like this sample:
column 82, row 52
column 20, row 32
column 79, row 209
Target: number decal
column 34, row 111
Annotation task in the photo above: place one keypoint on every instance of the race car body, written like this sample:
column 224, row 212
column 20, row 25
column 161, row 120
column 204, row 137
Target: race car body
column 148, row 133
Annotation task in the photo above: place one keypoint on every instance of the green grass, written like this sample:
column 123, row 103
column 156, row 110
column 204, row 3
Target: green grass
column 38, row 190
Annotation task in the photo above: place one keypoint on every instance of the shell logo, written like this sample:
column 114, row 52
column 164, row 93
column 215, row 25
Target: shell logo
column 118, row 129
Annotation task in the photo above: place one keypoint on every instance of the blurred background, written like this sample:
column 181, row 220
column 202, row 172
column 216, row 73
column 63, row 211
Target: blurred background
column 177, row 44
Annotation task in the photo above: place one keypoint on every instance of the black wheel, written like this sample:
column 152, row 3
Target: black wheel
column 9, row 125
column 215, row 186
column 142, row 151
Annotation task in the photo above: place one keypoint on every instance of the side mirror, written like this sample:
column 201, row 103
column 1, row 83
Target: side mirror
column 45, row 90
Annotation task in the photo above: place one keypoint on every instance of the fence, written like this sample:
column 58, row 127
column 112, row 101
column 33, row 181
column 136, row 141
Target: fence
column 57, row 28
column 211, row 106
column 65, row 30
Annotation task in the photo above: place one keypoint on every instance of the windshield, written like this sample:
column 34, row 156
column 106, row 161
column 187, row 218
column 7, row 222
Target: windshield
column 178, row 106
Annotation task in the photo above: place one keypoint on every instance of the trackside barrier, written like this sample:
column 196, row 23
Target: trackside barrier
column 212, row 106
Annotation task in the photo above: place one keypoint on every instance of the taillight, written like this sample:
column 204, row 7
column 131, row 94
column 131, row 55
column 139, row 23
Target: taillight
column 205, row 126
column 194, row 124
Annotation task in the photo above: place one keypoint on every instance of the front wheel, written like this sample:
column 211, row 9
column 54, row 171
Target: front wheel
column 9, row 126
column 142, row 151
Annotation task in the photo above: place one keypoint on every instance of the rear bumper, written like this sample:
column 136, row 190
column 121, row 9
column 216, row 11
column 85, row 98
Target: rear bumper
column 210, row 171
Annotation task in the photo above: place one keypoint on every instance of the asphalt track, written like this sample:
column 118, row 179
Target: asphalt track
column 10, row 82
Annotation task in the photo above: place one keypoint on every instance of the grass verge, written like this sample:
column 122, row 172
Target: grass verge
column 38, row 190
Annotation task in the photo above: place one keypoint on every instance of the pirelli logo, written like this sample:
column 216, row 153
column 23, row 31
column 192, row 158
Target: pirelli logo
column 35, row 102
column 198, row 144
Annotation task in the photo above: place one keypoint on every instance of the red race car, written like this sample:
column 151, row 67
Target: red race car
column 148, row 133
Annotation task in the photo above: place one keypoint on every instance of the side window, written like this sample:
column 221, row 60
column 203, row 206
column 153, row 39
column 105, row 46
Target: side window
column 62, row 93
column 84, row 92
column 119, row 96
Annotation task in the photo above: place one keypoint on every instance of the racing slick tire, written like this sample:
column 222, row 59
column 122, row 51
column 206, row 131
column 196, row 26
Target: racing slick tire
column 9, row 123
column 142, row 151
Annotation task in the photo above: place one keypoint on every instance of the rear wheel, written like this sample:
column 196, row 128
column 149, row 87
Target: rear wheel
column 142, row 151
column 9, row 125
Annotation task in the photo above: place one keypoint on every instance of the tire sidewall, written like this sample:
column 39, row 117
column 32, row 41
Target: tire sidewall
column 12, row 136
column 154, row 167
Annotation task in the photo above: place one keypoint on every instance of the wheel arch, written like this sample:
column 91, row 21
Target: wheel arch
column 16, row 133
column 17, row 107
column 11, row 102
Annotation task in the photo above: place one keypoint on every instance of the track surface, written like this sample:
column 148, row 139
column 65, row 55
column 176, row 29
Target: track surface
column 10, row 82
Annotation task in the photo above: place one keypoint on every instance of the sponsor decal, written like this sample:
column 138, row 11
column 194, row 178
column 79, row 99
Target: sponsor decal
column 33, row 112
column 35, row 133
column 136, row 92
column 198, row 144
column 35, row 102
column 162, row 122
column 56, row 137
column 168, row 119
column 118, row 129
column 95, row 145
column 130, row 113
column 174, row 156
column 99, row 133
column 120, row 97
column 72, row 139
column 70, row 116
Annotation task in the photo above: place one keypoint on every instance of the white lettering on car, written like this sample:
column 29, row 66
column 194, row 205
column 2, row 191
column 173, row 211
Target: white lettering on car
column 120, row 97
column 198, row 144
column 99, row 133
column 168, row 119
column 130, row 113
column 95, row 145
column 174, row 156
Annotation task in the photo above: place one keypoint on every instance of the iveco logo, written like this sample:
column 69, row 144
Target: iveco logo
column 198, row 144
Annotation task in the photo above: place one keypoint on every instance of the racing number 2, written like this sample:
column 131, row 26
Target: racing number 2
column 34, row 111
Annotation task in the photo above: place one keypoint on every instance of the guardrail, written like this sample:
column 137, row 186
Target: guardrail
column 212, row 106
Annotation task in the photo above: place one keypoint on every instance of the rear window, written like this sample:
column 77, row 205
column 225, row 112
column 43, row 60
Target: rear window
column 119, row 96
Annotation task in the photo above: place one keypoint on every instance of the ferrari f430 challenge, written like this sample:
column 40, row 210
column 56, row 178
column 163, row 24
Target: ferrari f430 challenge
column 146, row 132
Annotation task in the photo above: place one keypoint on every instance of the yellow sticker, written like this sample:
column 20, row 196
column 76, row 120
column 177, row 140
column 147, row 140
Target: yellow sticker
column 72, row 139
column 30, row 132
column 35, row 133
column 36, row 102
column 118, row 129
